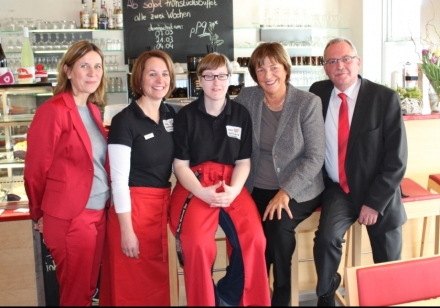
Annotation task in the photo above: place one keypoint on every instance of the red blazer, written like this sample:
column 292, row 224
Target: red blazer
column 58, row 173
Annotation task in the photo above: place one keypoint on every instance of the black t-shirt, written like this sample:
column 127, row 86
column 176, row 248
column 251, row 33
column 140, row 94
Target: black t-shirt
column 200, row 137
column 152, row 147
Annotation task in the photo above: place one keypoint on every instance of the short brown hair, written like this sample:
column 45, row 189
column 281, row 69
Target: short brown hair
column 275, row 52
column 138, row 71
column 213, row 61
column 73, row 54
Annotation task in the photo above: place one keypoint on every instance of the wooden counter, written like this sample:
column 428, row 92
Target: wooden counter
column 423, row 134
column 18, row 282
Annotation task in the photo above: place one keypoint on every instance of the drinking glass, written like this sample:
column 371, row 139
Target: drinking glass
column 30, row 23
column 56, row 25
column 57, row 42
column 63, row 24
column 41, row 45
column 107, row 63
column 72, row 39
column 47, row 25
column 117, row 84
column 48, row 42
column 18, row 43
column 115, row 63
column 21, row 23
column 64, row 43
column 111, row 84
column 71, row 24
column 10, row 24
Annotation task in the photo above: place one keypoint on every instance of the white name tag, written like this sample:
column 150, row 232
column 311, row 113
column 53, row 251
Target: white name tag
column 233, row 131
column 168, row 124
column 149, row 136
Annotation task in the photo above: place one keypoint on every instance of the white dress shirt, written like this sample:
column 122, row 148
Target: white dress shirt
column 331, row 127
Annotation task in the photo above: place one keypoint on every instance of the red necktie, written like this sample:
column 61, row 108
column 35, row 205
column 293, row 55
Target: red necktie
column 343, row 132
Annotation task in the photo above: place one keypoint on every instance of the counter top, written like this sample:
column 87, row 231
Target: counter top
column 23, row 85
column 412, row 117
column 10, row 212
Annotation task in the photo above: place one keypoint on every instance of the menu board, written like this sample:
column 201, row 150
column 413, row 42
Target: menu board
column 178, row 27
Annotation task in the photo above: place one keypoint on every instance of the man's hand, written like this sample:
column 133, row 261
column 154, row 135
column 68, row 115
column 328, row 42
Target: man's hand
column 368, row 216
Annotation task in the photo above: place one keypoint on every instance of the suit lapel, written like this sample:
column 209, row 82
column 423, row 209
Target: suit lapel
column 78, row 123
column 325, row 97
column 257, row 114
column 286, row 113
column 358, row 114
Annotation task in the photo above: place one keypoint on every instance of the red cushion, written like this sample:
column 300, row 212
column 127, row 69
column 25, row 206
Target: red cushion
column 435, row 178
column 397, row 283
column 415, row 191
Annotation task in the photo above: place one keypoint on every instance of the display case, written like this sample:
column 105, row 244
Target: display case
column 50, row 45
column 305, row 46
column 17, row 109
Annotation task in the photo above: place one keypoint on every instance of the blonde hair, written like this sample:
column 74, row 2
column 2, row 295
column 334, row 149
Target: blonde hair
column 213, row 61
column 73, row 54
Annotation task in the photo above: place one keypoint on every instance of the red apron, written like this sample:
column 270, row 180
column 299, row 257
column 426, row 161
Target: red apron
column 144, row 281
column 198, row 240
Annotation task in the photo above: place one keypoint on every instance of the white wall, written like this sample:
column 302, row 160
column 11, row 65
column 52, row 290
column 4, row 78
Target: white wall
column 364, row 18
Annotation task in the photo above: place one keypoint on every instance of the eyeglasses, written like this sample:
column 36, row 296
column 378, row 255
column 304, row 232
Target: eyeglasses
column 212, row 77
column 346, row 60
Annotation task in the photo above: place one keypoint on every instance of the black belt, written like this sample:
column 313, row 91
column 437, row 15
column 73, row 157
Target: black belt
column 179, row 226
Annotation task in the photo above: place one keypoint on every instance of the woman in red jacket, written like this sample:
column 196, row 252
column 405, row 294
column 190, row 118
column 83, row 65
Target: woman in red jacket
column 66, row 173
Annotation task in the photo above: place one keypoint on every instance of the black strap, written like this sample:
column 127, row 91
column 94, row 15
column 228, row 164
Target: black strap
column 179, row 226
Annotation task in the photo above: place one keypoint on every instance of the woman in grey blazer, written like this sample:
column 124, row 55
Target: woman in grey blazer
column 288, row 149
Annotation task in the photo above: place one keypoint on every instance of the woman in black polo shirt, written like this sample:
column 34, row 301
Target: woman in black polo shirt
column 212, row 138
column 135, row 265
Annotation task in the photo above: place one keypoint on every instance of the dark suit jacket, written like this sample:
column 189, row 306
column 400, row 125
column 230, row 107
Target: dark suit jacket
column 58, row 174
column 377, row 151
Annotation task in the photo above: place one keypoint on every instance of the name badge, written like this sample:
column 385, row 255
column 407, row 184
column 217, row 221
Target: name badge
column 168, row 124
column 148, row 136
column 233, row 131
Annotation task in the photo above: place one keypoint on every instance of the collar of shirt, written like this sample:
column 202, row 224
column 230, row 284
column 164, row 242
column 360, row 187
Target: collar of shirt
column 352, row 94
column 226, row 111
column 138, row 111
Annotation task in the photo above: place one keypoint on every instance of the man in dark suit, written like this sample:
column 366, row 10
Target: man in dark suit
column 365, row 161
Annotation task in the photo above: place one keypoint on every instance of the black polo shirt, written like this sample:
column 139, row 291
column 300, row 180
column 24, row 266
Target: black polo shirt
column 200, row 137
column 152, row 147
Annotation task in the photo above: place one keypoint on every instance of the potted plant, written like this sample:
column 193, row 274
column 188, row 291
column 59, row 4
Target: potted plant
column 410, row 99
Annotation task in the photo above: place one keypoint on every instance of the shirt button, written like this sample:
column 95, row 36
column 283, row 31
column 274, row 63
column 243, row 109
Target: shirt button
column 275, row 156
column 278, row 170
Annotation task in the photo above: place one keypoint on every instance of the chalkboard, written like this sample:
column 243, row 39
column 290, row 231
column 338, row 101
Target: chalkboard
column 178, row 27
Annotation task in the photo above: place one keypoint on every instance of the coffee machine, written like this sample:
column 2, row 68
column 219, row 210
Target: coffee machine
column 194, row 88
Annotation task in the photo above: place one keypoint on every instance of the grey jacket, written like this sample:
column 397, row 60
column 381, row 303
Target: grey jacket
column 299, row 148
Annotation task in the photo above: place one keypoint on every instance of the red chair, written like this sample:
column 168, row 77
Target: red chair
column 414, row 281
column 422, row 203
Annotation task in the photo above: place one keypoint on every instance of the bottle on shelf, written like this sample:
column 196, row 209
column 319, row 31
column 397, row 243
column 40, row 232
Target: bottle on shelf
column 3, row 60
column 85, row 16
column 26, row 74
column 94, row 16
column 103, row 16
column 111, row 22
column 118, row 15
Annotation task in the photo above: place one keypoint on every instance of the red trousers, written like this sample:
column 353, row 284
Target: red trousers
column 138, row 282
column 76, row 246
column 198, row 240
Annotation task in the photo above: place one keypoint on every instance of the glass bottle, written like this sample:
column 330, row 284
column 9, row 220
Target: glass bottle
column 111, row 23
column 103, row 16
column 85, row 16
column 118, row 16
column 27, row 60
column 94, row 16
